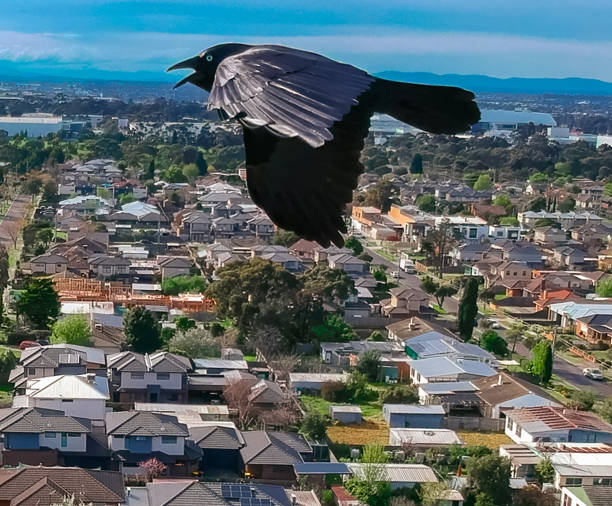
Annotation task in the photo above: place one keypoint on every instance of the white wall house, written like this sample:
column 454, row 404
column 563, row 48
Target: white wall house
column 82, row 396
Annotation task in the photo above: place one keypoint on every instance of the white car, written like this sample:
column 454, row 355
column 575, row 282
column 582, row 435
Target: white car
column 496, row 325
column 593, row 373
column 395, row 274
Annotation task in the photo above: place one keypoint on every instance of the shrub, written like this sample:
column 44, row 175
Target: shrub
column 314, row 426
column 334, row 391
column 399, row 394
column 327, row 498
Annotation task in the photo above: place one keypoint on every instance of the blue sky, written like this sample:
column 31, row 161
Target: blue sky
column 140, row 38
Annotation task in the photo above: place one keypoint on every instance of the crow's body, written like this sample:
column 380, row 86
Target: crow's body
column 304, row 120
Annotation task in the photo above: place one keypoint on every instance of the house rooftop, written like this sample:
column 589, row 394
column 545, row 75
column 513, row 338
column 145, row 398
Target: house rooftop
column 414, row 409
column 426, row 436
column 444, row 366
column 551, row 418
column 398, row 473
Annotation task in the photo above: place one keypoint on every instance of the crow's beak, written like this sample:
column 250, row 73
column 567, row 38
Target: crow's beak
column 190, row 63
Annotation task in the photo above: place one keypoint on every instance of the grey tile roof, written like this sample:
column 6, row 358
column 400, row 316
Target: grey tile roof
column 129, row 361
column 213, row 494
column 136, row 423
column 216, row 437
column 37, row 421
column 274, row 448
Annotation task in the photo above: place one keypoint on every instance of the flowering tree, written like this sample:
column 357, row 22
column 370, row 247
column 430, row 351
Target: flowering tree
column 153, row 468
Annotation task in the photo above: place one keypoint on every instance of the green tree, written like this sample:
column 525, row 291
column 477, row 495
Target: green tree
column 195, row 343
column 416, row 165
column 329, row 284
column 509, row 221
column 379, row 195
column 72, row 329
column 514, row 332
column 314, row 426
column 504, row 201
column 50, row 191
column 483, row 183
column 39, row 303
column 334, row 329
column 537, row 204
column 126, row 198
column 468, row 308
column 369, row 363
column 606, row 410
column 542, row 361
column 538, row 177
column 490, row 475
column 430, row 493
column 183, row 284
column 483, row 499
column 285, row 238
column 567, row 205
column 493, row 342
column 183, row 323
column 582, row 400
column 32, row 185
column 142, row 333
column 544, row 471
column 191, row 172
column 604, row 287
column 8, row 361
column 399, row 394
column 370, row 485
column 174, row 174
column 426, row 203
column 354, row 244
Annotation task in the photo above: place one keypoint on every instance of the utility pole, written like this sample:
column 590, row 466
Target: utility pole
column 554, row 340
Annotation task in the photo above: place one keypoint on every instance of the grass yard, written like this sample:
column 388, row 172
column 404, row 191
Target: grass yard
column 438, row 309
column 491, row 440
column 370, row 431
column 369, row 409
column 501, row 296
column 6, row 395
column 250, row 358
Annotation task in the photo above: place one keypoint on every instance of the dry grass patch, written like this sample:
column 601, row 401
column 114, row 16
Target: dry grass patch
column 491, row 440
column 369, row 431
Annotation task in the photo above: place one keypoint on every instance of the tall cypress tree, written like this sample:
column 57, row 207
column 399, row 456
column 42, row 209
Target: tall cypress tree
column 468, row 308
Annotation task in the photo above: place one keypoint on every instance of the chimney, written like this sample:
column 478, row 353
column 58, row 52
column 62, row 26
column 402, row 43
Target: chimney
column 293, row 500
column 500, row 380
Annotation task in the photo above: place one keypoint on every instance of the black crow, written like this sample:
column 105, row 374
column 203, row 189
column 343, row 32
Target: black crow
column 304, row 119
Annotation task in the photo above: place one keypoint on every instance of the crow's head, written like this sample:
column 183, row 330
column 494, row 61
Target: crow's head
column 205, row 64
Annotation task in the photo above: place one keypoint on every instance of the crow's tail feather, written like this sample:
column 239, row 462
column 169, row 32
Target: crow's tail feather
column 435, row 109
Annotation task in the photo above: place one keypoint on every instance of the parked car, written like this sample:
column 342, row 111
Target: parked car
column 43, row 342
column 593, row 373
column 27, row 344
column 395, row 274
column 497, row 326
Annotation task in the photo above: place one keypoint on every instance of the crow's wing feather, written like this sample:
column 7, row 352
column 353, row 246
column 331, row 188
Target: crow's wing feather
column 289, row 92
column 305, row 189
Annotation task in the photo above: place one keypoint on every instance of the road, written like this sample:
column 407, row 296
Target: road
column 13, row 220
column 410, row 280
column 570, row 372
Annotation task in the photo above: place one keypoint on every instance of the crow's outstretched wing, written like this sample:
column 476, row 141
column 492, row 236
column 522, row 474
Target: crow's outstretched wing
column 305, row 189
column 290, row 93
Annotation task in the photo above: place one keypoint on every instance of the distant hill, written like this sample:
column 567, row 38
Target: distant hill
column 487, row 84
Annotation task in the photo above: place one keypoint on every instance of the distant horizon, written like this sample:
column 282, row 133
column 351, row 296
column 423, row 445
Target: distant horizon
column 524, row 39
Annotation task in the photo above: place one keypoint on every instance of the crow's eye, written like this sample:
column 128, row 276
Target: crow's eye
column 209, row 57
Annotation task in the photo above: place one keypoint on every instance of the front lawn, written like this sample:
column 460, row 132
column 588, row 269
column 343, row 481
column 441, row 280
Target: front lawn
column 369, row 409
column 501, row 296
column 491, row 440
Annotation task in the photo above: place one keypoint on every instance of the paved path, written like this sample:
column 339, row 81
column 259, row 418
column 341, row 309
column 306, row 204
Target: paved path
column 13, row 220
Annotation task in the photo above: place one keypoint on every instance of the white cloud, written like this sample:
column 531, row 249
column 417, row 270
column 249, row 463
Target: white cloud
column 149, row 50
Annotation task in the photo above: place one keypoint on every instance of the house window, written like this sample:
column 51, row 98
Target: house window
column 31, row 371
column 67, row 400
column 119, row 436
column 507, row 273
column 570, row 482
column 50, row 435
column 519, row 431
column 168, row 440
column 74, row 434
column 472, row 233
column 606, row 482
column 137, row 375
column 510, row 424
column 163, row 375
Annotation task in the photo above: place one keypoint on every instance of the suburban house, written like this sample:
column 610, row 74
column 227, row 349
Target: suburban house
column 312, row 382
column 174, row 266
column 442, row 369
column 588, row 495
column 35, row 435
column 449, row 394
column 103, row 266
column 503, row 392
column 193, row 226
column 413, row 327
column 557, row 424
column 434, row 344
column 138, row 436
column 191, row 492
column 271, row 455
column 348, row 263
column 413, row 415
column 261, row 226
column 405, row 302
column 46, row 486
column 549, row 235
column 82, row 396
column 567, row 256
column 347, row 354
column 55, row 360
column 220, row 443
column 159, row 377
column 48, row 263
